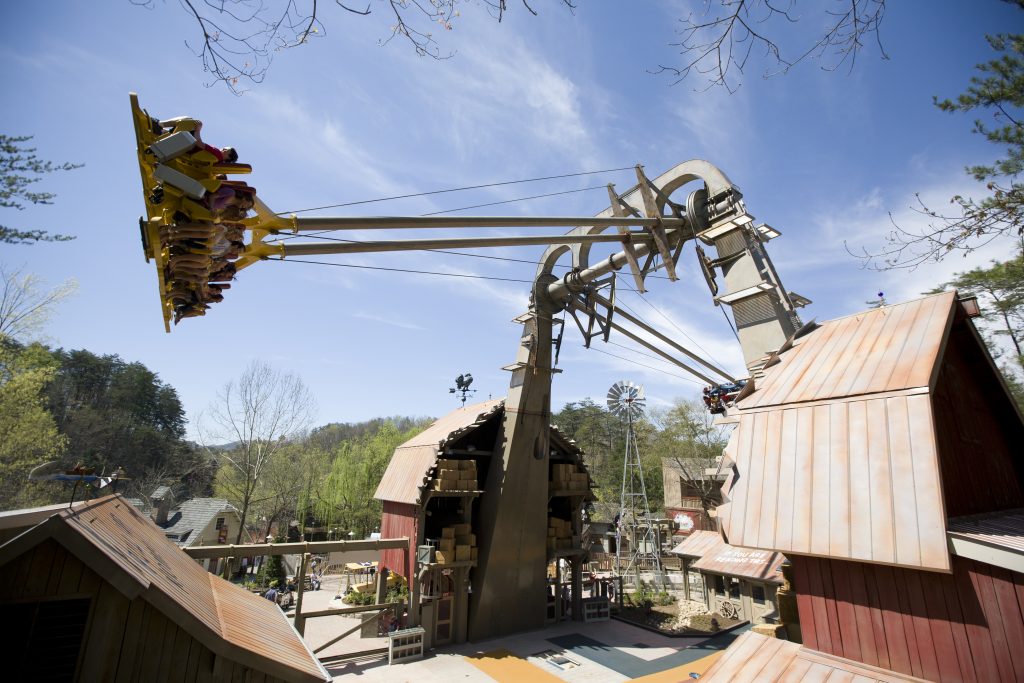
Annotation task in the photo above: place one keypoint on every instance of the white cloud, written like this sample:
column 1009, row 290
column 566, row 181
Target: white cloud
column 384, row 320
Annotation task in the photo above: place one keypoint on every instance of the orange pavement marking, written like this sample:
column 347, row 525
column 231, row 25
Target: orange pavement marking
column 505, row 666
column 681, row 673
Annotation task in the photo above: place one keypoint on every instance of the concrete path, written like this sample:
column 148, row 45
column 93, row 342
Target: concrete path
column 610, row 651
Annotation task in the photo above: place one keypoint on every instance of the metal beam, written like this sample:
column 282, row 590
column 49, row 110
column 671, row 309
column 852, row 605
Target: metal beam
column 647, row 345
column 258, row 549
column 287, row 249
column 442, row 222
column 559, row 291
column 668, row 340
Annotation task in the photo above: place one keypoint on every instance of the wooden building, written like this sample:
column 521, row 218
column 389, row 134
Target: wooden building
column 684, row 491
column 432, row 492
column 881, row 452
column 96, row 592
column 735, row 582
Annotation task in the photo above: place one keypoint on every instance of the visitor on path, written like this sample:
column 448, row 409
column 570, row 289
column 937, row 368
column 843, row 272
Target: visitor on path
column 271, row 594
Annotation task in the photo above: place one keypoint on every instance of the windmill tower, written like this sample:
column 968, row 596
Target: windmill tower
column 626, row 400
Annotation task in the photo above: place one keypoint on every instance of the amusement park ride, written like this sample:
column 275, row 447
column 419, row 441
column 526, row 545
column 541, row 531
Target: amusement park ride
column 195, row 229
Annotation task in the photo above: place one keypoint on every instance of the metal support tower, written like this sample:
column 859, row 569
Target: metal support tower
column 635, row 518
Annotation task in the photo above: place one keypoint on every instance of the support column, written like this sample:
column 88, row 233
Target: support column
column 511, row 578
column 577, row 588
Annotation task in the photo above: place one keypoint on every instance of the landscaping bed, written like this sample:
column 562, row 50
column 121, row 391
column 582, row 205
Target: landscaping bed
column 675, row 618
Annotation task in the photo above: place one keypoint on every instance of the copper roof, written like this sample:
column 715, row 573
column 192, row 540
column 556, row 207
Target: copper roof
column 1004, row 529
column 408, row 471
column 746, row 563
column 699, row 544
column 834, row 454
column 753, row 657
column 128, row 550
column 884, row 349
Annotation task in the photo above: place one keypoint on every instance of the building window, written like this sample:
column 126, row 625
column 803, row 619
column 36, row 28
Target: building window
column 734, row 589
column 220, row 523
column 719, row 585
column 757, row 593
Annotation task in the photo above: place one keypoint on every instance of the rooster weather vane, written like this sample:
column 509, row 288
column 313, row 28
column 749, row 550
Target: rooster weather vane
column 461, row 388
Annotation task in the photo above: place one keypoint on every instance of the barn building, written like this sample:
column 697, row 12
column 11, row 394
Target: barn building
column 881, row 452
column 435, row 492
column 100, row 594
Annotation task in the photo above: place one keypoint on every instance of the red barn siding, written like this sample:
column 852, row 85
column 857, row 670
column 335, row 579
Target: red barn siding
column 972, row 417
column 398, row 520
column 968, row 626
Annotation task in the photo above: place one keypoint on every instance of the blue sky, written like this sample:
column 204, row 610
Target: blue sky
column 823, row 157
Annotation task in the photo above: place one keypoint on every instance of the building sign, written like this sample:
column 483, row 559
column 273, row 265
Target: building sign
column 684, row 522
column 737, row 556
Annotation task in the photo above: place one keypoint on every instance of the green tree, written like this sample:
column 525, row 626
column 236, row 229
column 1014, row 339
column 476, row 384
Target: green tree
column 28, row 433
column 345, row 497
column 120, row 414
column 20, row 170
column 602, row 436
column 1000, row 291
column 690, row 445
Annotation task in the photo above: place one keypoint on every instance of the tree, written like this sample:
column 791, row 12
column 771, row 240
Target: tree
column 25, row 304
column 345, row 496
column 1000, row 289
column 719, row 42
column 239, row 38
column 602, row 436
column 119, row 414
column 20, row 170
column 28, row 433
column 998, row 91
column 691, row 445
column 258, row 413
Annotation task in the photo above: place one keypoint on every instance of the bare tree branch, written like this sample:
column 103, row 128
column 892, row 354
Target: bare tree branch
column 239, row 38
column 722, row 39
column 256, row 416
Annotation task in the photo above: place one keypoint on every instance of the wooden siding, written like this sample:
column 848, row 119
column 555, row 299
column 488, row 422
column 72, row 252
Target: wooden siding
column 964, row 626
column 852, row 479
column 973, row 417
column 885, row 349
column 125, row 640
column 399, row 520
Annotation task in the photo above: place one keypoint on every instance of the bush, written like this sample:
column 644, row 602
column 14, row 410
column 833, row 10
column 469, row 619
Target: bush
column 357, row 598
column 662, row 598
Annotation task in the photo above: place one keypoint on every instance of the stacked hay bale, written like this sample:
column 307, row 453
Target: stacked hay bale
column 565, row 477
column 455, row 475
column 457, row 544
column 559, row 534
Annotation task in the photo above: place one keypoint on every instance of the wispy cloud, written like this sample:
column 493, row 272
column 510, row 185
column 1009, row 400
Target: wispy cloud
column 384, row 320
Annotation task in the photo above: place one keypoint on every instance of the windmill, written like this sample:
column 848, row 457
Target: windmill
column 626, row 400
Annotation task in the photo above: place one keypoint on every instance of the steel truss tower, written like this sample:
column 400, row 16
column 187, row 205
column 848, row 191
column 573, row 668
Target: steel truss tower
column 626, row 399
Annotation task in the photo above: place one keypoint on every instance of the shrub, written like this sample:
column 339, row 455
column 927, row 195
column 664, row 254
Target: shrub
column 663, row 598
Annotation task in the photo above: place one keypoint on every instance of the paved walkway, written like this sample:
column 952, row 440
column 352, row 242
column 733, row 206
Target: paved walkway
column 611, row 651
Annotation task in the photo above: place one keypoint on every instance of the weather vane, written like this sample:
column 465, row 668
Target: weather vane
column 77, row 475
column 461, row 388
